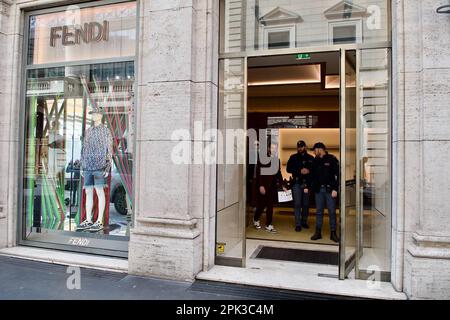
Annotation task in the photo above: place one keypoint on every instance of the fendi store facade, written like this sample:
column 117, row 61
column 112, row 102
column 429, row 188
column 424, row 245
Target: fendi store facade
column 130, row 128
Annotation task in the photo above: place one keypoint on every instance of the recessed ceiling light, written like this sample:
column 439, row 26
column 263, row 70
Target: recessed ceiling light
column 332, row 82
column 284, row 75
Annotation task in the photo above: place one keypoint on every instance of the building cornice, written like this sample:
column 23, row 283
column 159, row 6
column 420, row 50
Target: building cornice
column 170, row 228
column 430, row 246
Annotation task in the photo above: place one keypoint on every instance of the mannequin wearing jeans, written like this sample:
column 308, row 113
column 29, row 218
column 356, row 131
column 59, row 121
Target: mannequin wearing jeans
column 95, row 165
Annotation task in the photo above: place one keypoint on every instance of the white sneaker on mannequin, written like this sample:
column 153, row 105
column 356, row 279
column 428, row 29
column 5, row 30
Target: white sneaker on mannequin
column 86, row 224
column 97, row 226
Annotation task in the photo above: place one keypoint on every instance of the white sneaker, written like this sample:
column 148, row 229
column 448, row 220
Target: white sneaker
column 271, row 229
column 84, row 225
column 257, row 225
column 97, row 226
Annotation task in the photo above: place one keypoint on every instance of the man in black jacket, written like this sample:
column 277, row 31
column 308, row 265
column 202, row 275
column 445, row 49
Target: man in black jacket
column 268, row 180
column 325, row 181
column 300, row 165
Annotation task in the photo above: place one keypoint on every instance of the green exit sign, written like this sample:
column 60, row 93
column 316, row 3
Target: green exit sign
column 303, row 56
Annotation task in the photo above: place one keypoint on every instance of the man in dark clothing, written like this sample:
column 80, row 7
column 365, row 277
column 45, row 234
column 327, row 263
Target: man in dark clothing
column 74, row 167
column 325, row 183
column 267, row 184
column 300, row 165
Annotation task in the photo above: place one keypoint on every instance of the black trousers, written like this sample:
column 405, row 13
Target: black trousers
column 265, row 201
column 74, row 191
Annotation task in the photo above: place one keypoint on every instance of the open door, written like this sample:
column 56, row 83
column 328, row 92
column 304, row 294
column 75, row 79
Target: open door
column 349, row 180
column 230, row 215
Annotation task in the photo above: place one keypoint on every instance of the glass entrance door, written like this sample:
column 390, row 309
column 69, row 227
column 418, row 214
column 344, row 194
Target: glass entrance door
column 374, row 154
column 362, row 100
column 349, row 180
column 365, row 164
column 230, row 232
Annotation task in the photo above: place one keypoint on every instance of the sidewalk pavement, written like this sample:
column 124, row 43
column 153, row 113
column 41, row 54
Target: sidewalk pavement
column 32, row 280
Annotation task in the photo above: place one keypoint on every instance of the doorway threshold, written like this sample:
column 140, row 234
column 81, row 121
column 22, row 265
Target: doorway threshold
column 279, row 277
column 298, row 276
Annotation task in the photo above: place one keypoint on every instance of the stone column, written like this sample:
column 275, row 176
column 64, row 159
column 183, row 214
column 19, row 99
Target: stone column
column 10, row 53
column 173, row 233
column 421, row 235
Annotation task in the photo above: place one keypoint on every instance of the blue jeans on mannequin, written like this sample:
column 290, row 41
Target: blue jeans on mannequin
column 323, row 197
column 301, row 204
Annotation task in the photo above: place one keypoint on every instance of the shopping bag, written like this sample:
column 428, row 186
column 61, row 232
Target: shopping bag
column 285, row 196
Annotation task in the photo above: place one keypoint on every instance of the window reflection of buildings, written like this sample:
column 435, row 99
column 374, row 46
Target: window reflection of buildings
column 248, row 23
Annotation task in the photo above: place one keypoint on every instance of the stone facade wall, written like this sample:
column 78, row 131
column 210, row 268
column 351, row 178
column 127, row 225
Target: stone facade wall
column 174, row 228
column 10, row 53
column 421, row 144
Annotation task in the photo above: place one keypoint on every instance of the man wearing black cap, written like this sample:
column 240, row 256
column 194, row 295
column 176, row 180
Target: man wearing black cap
column 299, row 165
column 325, row 183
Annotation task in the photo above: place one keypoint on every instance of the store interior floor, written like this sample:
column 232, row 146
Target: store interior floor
column 284, row 223
column 287, row 237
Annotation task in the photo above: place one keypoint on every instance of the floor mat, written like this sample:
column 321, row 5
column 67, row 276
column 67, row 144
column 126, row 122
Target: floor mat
column 298, row 255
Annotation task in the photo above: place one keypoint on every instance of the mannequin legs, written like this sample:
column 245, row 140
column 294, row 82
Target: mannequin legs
column 90, row 203
column 101, row 203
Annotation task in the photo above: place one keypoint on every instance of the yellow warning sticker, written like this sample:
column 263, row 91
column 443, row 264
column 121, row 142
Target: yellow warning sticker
column 220, row 248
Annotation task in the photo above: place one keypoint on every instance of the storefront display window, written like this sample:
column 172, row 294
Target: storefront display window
column 79, row 120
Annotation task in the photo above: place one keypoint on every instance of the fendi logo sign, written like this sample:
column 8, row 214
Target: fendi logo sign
column 73, row 35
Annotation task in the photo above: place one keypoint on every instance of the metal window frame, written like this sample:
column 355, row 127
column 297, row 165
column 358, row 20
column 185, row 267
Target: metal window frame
column 123, row 243
column 266, row 30
column 357, row 23
column 324, row 48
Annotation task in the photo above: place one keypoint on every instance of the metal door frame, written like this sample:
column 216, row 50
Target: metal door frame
column 358, row 47
column 345, row 267
column 324, row 49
